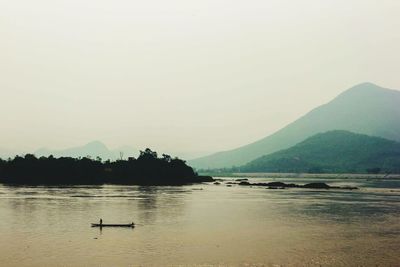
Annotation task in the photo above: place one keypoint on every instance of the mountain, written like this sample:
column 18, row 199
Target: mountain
column 365, row 108
column 333, row 152
column 93, row 149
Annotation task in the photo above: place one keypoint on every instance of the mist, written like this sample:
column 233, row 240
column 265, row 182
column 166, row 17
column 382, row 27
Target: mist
column 185, row 77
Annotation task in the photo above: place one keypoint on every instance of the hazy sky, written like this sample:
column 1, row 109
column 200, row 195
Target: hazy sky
column 185, row 77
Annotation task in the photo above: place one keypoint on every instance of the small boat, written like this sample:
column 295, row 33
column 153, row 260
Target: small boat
column 113, row 225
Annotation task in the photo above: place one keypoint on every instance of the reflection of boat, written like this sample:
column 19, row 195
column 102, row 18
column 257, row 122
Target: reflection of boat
column 113, row 225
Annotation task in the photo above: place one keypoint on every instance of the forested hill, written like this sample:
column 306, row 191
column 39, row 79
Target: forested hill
column 365, row 109
column 333, row 152
column 147, row 169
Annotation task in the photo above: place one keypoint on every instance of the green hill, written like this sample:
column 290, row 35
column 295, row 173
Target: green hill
column 333, row 152
column 365, row 108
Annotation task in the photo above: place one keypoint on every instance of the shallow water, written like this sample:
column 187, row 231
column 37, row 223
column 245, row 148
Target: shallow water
column 202, row 225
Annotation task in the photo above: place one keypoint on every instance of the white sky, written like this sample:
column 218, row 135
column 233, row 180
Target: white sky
column 186, row 77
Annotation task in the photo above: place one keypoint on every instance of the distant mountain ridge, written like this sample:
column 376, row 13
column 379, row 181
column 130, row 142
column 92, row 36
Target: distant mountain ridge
column 333, row 152
column 365, row 108
column 93, row 149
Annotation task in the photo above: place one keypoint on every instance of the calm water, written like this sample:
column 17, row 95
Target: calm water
column 202, row 225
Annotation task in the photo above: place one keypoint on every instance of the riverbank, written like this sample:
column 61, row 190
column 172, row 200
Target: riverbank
column 303, row 175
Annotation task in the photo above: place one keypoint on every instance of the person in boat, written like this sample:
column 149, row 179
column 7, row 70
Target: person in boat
column 101, row 221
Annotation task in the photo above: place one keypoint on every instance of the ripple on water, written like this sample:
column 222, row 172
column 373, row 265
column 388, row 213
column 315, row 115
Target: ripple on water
column 182, row 226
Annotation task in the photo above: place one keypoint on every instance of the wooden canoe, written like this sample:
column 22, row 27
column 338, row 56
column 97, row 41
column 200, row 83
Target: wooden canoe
column 113, row 225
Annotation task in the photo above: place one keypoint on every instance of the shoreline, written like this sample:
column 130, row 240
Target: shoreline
column 305, row 175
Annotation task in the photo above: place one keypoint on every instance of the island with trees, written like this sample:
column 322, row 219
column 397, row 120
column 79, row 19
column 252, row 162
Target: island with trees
column 147, row 169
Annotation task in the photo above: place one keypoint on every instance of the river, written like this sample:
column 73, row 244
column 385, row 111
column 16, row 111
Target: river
column 203, row 224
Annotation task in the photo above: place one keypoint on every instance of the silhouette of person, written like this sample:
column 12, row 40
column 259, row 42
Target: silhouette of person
column 101, row 221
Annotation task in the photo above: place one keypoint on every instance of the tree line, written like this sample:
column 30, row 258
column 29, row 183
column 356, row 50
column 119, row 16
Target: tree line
column 147, row 169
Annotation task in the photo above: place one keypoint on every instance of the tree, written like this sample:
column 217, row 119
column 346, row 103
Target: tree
column 166, row 157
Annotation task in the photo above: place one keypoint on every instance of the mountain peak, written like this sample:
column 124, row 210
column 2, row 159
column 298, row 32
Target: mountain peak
column 97, row 144
column 367, row 94
column 365, row 108
column 363, row 88
column 365, row 85
column 367, row 89
column 92, row 149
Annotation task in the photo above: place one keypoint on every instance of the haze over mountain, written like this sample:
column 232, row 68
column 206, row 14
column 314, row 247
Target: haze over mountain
column 93, row 149
column 365, row 108
column 333, row 152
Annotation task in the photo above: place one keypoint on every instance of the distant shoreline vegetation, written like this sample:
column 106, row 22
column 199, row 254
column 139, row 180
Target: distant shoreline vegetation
column 147, row 169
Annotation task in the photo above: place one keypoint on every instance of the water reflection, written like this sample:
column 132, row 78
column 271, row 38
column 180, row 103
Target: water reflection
column 152, row 198
column 217, row 225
